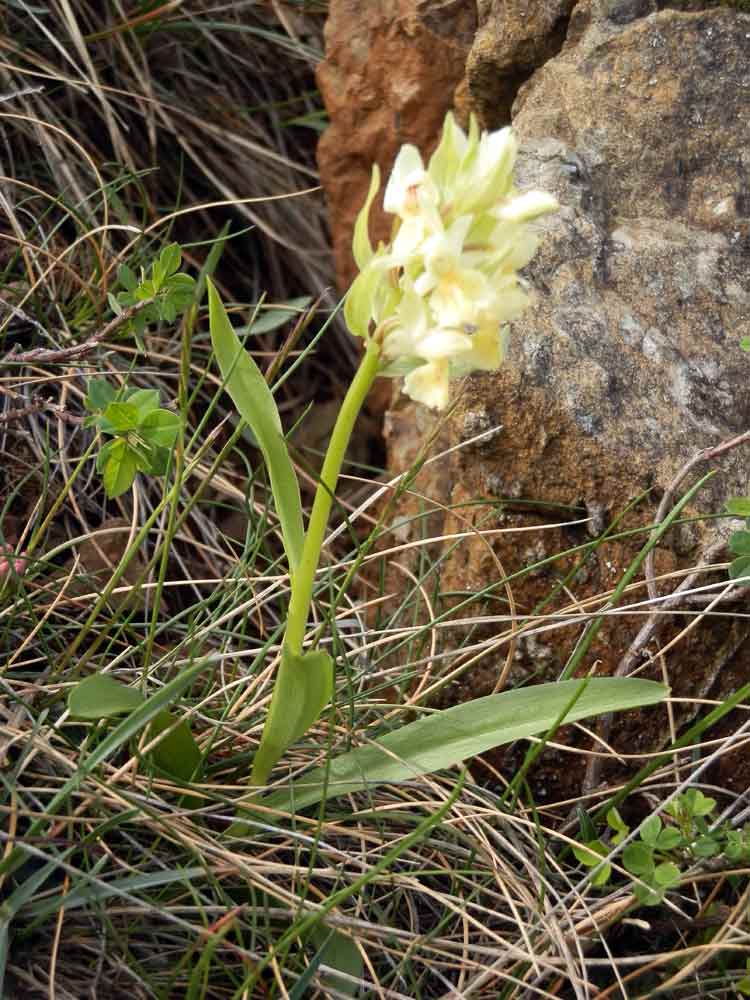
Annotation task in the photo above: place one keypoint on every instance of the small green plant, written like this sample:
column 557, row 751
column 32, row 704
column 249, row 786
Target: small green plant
column 662, row 850
column 142, row 433
column 166, row 292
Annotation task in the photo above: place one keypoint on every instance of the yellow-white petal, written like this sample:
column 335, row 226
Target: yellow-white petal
column 428, row 384
column 527, row 206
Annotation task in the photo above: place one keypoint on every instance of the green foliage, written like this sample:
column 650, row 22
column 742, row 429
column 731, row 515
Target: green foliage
column 739, row 543
column 167, row 292
column 445, row 738
column 337, row 951
column 102, row 697
column 303, row 688
column 143, row 434
column 256, row 405
column 660, row 853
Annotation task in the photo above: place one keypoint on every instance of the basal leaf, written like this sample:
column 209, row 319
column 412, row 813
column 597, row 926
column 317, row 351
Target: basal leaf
column 177, row 753
column 739, row 506
column 101, row 696
column 255, row 403
column 443, row 739
column 338, row 951
column 303, row 688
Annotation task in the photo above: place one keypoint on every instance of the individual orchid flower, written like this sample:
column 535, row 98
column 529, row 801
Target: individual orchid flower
column 408, row 326
column 457, row 290
column 430, row 384
column 412, row 195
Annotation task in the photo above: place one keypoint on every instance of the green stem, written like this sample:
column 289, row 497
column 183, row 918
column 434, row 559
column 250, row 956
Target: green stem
column 304, row 578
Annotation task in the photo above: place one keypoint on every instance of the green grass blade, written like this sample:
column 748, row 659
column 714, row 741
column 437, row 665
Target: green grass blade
column 256, row 405
column 446, row 738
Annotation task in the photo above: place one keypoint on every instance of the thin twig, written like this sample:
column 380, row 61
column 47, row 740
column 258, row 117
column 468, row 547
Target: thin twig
column 43, row 355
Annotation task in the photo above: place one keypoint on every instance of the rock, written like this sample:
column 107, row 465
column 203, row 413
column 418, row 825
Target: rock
column 629, row 363
column 391, row 72
column 515, row 37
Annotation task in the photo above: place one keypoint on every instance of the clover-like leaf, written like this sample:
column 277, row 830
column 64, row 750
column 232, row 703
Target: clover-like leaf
column 648, row 895
column 590, row 854
column 119, row 418
column 706, row 847
column 638, row 858
column 667, row 875
column 668, row 838
column 699, row 804
column 160, row 428
column 99, row 394
column 650, row 829
column 120, row 469
column 144, row 400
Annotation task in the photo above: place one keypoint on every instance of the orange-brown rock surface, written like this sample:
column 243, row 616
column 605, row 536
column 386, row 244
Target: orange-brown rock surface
column 390, row 74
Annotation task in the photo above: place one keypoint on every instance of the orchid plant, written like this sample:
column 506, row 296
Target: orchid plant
column 431, row 305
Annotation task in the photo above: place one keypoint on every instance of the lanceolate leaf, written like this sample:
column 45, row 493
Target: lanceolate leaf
column 303, row 688
column 446, row 738
column 255, row 403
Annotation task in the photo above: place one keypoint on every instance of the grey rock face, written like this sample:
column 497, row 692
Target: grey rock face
column 643, row 279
